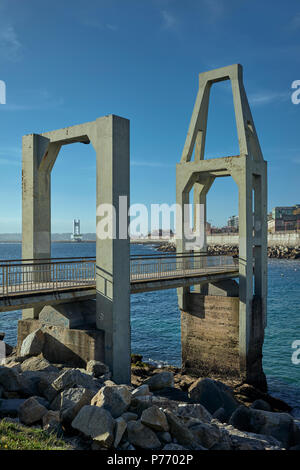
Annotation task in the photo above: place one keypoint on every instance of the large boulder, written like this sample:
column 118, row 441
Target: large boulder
column 10, row 407
column 155, row 419
column 142, row 436
column 31, row 411
column 97, row 368
column 207, row 434
column 33, row 343
column 160, row 380
column 278, row 425
column 38, row 364
column 97, row 423
column 241, row 440
column 120, row 428
column 72, row 400
column 116, row 399
column 9, row 379
column 181, row 432
column 74, row 377
column 213, row 395
column 141, row 391
column 193, row 410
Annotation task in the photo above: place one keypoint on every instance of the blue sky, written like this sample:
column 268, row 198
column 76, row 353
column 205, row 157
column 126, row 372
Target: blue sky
column 69, row 62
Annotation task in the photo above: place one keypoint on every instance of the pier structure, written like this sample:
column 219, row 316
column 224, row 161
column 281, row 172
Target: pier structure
column 109, row 135
column 83, row 305
column 222, row 324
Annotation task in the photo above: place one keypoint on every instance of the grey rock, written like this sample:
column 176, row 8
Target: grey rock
column 160, row 380
column 10, row 407
column 261, row 405
column 220, row 415
column 39, row 364
column 207, row 434
column 250, row 441
column 180, row 432
column 97, row 368
column 74, row 377
column 72, row 400
column 97, row 423
column 213, row 395
column 142, row 436
column 155, row 419
column 194, row 410
column 115, row 399
column 9, row 379
column 120, row 428
column 128, row 416
column 50, row 417
column 31, row 411
column 164, row 437
column 278, row 425
column 33, row 343
column 141, row 391
column 173, row 446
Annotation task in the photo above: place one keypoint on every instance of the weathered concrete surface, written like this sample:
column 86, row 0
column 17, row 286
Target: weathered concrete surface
column 210, row 334
column 109, row 136
column 249, row 171
column 63, row 345
column 70, row 315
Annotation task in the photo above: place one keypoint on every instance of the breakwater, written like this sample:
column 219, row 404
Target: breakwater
column 280, row 251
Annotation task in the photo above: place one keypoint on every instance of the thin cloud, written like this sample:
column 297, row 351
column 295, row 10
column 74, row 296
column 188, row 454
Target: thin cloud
column 94, row 23
column 10, row 46
column 170, row 22
column 295, row 22
column 267, row 97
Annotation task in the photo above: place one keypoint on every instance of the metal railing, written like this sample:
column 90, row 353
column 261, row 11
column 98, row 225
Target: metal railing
column 179, row 265
column 21, row 276
column 29, row 276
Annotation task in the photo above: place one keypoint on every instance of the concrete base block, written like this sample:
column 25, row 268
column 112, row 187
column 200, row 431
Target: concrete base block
column 210, row 339
column 210, row 335
column 70, row 315
column 73, row 347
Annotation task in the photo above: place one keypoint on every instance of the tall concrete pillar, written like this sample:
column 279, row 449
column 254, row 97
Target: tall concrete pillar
column 113, row 254
column 249, row 171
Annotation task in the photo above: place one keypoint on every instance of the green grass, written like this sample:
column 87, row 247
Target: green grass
column 14, row 436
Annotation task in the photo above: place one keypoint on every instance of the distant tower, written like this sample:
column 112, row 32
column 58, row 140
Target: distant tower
column 76, row 236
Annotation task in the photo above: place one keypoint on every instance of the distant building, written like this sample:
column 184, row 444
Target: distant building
column 284, row 218
column 233, row 223
column 76, row 235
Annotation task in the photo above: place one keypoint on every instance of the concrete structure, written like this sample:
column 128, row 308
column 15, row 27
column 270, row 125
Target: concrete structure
column 249, row 171
column 76, row 235
column 109, row 136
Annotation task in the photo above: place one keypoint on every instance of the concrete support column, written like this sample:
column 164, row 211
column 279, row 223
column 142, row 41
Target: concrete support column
column 111, row 142
column 201, row 188
column 36, row 200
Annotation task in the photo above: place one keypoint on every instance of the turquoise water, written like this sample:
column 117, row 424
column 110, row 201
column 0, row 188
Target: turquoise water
column 155, row 319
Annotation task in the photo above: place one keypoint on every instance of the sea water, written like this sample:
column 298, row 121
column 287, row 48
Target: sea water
column 155, row 319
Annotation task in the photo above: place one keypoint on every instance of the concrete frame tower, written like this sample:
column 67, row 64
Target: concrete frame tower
column 109, row 136
column 249, row 171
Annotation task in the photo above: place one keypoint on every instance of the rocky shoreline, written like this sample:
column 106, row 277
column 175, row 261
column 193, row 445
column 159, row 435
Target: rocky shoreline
column 162, row 409
column 279, row 252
